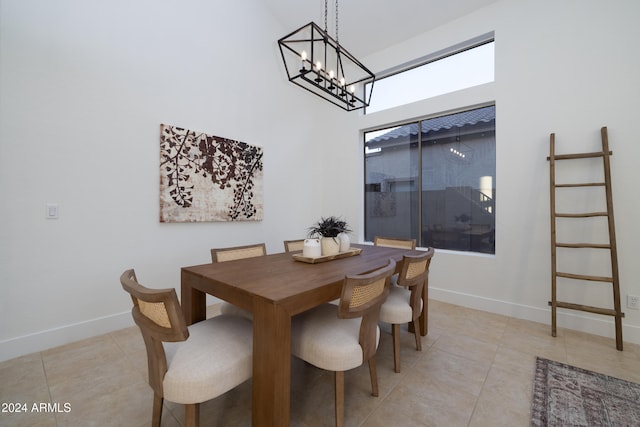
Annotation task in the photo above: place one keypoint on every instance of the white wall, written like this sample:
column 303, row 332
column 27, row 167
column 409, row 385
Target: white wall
column 567, row 67
column 84, row 86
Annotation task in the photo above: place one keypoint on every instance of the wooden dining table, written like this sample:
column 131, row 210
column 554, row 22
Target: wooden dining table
column 274, row 288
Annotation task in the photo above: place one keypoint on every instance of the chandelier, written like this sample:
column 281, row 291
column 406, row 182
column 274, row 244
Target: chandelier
column 316, row 62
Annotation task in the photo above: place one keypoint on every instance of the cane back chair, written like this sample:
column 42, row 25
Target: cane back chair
column 404, row 303
column 232, row 254
column 188, row 365
column 293, row 245
column 344, row 336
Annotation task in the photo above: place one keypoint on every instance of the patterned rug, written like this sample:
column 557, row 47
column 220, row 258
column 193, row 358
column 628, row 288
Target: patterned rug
column 565, row 395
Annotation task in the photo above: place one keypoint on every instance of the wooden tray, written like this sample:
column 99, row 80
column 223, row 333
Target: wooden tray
column 309, row 260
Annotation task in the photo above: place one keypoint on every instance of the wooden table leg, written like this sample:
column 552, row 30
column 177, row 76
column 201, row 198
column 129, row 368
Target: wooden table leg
column 193, row 301
column 271, row 365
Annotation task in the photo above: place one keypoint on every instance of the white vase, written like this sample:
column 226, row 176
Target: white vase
column 330, row 245
column 311, row 248
column 345, row 242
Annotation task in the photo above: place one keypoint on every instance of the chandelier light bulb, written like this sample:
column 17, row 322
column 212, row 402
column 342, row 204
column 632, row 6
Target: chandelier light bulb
column 303, row 56
column 331, row 76
column 318, row 79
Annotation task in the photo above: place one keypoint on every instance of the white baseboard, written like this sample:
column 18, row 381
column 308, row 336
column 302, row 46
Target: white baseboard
column 568, row 319
column 49, row 338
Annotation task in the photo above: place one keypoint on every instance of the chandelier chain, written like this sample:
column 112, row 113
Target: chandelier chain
column 326, row 13
column 325, row 16
column 337, row 39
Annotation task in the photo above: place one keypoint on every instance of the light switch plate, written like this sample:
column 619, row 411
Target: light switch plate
column 52, row 211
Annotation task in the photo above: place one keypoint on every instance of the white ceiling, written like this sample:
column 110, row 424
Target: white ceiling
column 366, row 26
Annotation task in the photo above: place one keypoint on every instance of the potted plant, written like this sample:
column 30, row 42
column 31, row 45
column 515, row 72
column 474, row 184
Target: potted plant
column 332, row 232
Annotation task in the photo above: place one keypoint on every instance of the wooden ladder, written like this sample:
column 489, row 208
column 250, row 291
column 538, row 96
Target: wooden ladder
column 611, row 246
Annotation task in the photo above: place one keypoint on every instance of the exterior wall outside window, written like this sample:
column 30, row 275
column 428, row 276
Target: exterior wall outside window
column 434, row 180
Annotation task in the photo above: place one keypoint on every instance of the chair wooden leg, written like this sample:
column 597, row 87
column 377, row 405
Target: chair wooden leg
column 395, row 334
column 373, row 372
column 424, row 316
column 156, row 415
column 417, row 334
column 192, row 415
column 339, row 386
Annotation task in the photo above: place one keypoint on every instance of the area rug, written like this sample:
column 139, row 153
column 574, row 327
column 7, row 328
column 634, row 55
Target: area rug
column 565, row 395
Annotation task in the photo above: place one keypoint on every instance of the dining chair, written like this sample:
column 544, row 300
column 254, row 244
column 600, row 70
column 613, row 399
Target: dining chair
column 404, row 303
column 343, row 337
column 188, row 365
column 238, row 252
column 293, row 245
column 231, row 254
column 392, row 242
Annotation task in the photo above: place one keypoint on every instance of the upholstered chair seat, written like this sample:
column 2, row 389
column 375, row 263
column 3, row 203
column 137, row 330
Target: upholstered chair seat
column 397, row 308
column 216, row 358
column 326, row 341
column 234, row 310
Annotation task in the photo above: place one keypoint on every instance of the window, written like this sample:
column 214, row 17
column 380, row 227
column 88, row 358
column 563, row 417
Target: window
column 460, row 67
column 434, row 180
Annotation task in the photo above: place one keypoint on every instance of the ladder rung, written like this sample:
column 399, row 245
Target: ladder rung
column 584, row 245
column 585, row 184
column 581, row 215
column 579, row 155
column 588, row 308
column 584, row 277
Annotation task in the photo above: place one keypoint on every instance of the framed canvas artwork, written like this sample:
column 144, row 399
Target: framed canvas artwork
column 208, row 178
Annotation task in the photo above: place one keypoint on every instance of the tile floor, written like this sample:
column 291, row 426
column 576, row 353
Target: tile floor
column 475, row 369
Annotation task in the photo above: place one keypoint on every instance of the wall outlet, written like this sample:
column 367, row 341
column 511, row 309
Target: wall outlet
column 633, row 301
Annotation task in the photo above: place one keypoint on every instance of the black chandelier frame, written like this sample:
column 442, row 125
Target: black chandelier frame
column 316, row 62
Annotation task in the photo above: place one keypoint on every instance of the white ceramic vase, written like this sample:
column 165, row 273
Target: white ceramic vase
column 311, row 248
column 330, row 245
column 345, row 242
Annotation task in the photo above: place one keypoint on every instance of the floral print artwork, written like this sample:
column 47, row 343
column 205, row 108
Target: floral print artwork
column 208, row 178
